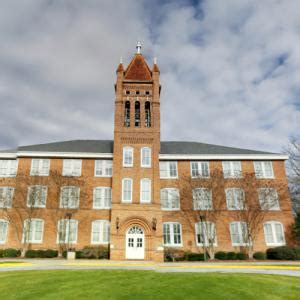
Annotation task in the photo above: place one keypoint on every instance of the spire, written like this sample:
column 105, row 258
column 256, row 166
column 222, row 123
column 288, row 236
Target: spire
column 120, row 66
column 138, row 47
column 155, row 66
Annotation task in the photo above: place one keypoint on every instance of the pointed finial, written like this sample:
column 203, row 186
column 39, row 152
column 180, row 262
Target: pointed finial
column 121, row 59
column 155, row 60
column 138, row 47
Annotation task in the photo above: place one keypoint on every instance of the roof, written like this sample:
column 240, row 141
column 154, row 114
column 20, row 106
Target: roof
column 106, row 146
column 138, row 69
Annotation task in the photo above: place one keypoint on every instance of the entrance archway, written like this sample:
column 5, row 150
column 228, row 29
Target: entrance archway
column 135, row 243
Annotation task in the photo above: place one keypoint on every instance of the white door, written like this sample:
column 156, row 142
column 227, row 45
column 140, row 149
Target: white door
column 135, row 248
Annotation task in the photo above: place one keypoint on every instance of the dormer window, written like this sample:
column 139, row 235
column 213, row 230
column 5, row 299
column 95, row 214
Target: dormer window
column 137, row 92
column 147, row 93
column 127, row 92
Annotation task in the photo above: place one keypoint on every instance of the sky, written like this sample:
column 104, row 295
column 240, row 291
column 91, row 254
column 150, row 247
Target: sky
column 230, row 70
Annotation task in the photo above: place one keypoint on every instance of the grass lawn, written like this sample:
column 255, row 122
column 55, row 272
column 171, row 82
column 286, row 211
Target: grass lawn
column 121, row 284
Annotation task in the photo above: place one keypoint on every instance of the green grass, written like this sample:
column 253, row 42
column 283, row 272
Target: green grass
column 121, row 284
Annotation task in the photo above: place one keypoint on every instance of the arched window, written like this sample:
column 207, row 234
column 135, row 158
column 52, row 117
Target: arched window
column 147, row 114
column 137, row 115
column 145, row 190
column 127, row 114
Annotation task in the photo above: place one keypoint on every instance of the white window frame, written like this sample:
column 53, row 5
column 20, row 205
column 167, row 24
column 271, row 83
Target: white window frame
column 240, row 233
column 129, row 150
column 6, row 224
column 102, row 190
column 61, row 197
column 235, row 199
column 204, row 233
column 101, row 226
column 274, row 235
column 198, row 204
column 168, row 169
column 169, row 201
column 172, row 243
column 7, row 191
column 148, row 180
column 131, row 183
column 268, row 193
column 33, row 231
column 105, row 165
column 43, row 168
column 11, row 168
column 261, row 166
column 65, row 241
column 232, row 171
column 74, row 171
column 43, row 190
column 144, row 157
column 200, row 169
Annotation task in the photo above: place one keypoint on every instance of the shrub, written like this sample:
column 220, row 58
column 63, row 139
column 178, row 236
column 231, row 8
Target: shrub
column 171, row 254
column 79, row 254
column 221, row 255
column 10, row 252
column 231, row 256
column 1, row 253
column 194, row 256
column 284, row 253
column 242, row 256
column 31, row 254
column 259, row 255
column 49, row 253
column 64, row 253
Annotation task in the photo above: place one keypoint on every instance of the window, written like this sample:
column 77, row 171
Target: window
column 33, row 231
column 145, row 190
column 205, row 233
column 127, row 92
column 202, row 199
column 274, row 235
column 127, row 157
column 200, row 169
column 6, row 196
column 146, row 157
column 232, row 169
column 69, row 197
column 127, row 113
column 72, row 167
column 263, row 169
column 238, row 233
column 67, row 231
column 137, row 92
column 102, row 198
column 268, row 199
column 37, row 196
column 8, row 168
column 172, row 234
column 100, row 232
column 40, row 167
column 103, row 168
column 147, row 114
column 3, row 231
column 137, row 114
column 168, row 169
column 127, row 190
column 147, row 93
column 235, row 199
column 169, row 199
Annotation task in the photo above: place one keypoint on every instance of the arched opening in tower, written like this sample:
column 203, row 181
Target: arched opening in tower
column 127, row 114
column 147, row 114
column 137, row 116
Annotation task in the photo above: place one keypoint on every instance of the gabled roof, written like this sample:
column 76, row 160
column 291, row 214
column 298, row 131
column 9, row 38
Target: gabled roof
column 167, row 147
column 138, row 69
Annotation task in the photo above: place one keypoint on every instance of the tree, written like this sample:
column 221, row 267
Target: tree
column 296, row 229
column 293, row 167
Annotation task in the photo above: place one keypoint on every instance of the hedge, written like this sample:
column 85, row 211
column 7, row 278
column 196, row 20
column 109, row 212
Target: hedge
column 194, row 256
column 260, row 255
column 49, row 253
column 221, row 255
column 10, row 252
column 284, row 253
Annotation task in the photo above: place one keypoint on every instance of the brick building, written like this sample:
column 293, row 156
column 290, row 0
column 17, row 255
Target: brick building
column 139, row 195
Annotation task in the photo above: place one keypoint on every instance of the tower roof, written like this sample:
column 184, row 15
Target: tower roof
column 138, row 69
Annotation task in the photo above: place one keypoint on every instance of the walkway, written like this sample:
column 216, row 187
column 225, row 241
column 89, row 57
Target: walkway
column 265, row 267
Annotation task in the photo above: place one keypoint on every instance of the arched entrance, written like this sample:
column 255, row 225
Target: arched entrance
column 135, row 243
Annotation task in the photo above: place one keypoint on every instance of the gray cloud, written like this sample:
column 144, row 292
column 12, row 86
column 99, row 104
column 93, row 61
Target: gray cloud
column 229, row 69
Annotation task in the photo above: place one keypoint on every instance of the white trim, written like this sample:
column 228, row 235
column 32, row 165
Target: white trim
column 127, row 201
column 150, row 157
column 62, row 154
column 6, row 231
column 272, row 224
column 206, row 243
column 29, row 191
column 141, row 190
column 130, row 150
column 8, row 155
column 31, row 221
column 104, row 222
column 163, row 157
column 94, row 195
column 172, row 235
column 168, row 177
column 77, row 188
column 103, row 160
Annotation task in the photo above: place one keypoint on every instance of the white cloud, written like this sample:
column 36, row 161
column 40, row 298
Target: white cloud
column 229, row 69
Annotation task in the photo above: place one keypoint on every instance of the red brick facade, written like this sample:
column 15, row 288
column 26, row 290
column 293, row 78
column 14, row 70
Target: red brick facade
column 139, row 84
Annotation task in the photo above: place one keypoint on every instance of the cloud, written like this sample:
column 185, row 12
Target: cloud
column 229, row 69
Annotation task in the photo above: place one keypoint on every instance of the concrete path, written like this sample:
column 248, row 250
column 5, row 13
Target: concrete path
column 290, row 268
